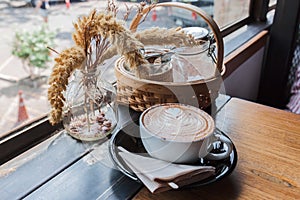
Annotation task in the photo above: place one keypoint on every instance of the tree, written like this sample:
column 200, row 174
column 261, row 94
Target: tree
column 31, row 48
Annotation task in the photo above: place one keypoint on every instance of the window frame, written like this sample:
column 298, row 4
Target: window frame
column 274, row 90
column 25, row 137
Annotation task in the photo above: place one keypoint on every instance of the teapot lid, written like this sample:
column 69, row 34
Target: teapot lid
column 196, row 32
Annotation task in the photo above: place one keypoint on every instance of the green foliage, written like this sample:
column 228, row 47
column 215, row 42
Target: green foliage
column 31, row 46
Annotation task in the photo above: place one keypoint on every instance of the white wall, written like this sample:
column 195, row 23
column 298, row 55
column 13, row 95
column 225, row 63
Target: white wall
column 244, row 81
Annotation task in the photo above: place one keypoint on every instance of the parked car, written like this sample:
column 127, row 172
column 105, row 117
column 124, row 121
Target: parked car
column 186, row 18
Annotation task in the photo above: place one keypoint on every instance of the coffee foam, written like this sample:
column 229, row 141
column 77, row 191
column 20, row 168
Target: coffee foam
column 178, row 122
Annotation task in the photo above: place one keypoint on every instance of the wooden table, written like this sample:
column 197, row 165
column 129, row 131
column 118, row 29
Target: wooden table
column 268, row 146
column 267, row 142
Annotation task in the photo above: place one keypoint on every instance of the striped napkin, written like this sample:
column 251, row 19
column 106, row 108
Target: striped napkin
column 158, row 175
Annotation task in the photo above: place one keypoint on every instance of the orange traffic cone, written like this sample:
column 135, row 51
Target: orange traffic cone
column 22, row 115
column 194, row 15
column 68, row 4
column 154, row 15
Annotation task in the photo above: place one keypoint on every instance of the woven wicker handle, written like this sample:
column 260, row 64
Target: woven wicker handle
column 211, row 23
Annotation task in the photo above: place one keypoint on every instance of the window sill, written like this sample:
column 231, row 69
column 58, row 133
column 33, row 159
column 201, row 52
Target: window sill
column 244, row 42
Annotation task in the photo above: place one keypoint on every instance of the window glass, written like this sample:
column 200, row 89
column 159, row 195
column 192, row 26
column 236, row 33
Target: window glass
column 21, row 100
column 227, row 12
column 272, row 2
column 224, row 12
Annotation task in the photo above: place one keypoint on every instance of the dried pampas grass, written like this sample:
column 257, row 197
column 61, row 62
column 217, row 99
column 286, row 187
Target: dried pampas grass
column 158, row 36
column 153, row 36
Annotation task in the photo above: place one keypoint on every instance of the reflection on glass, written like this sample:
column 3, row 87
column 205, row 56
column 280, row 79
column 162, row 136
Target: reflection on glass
column 272, row 2
column 224, row 12
column 227, row 12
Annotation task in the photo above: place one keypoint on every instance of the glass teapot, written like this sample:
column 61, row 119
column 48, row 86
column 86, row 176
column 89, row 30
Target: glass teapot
column 188, row 63
column 197, row 62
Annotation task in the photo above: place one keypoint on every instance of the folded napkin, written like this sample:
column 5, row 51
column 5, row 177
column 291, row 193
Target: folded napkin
column 158, row 175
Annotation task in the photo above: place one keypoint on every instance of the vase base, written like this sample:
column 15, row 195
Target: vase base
column 89, row 137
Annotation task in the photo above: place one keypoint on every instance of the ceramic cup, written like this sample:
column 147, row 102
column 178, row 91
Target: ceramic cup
column 180, row 133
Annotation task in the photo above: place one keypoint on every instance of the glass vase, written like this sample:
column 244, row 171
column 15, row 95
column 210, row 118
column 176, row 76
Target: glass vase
column 90, row 111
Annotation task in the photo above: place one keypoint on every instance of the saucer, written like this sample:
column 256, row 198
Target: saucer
column 129, row 138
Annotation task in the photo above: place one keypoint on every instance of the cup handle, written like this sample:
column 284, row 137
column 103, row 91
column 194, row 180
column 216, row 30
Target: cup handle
column 228, row 149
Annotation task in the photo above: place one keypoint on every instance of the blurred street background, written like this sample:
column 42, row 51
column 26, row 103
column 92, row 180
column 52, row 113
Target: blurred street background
column 18, row 15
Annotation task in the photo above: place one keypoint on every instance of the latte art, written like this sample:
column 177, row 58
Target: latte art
column 178, row 122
